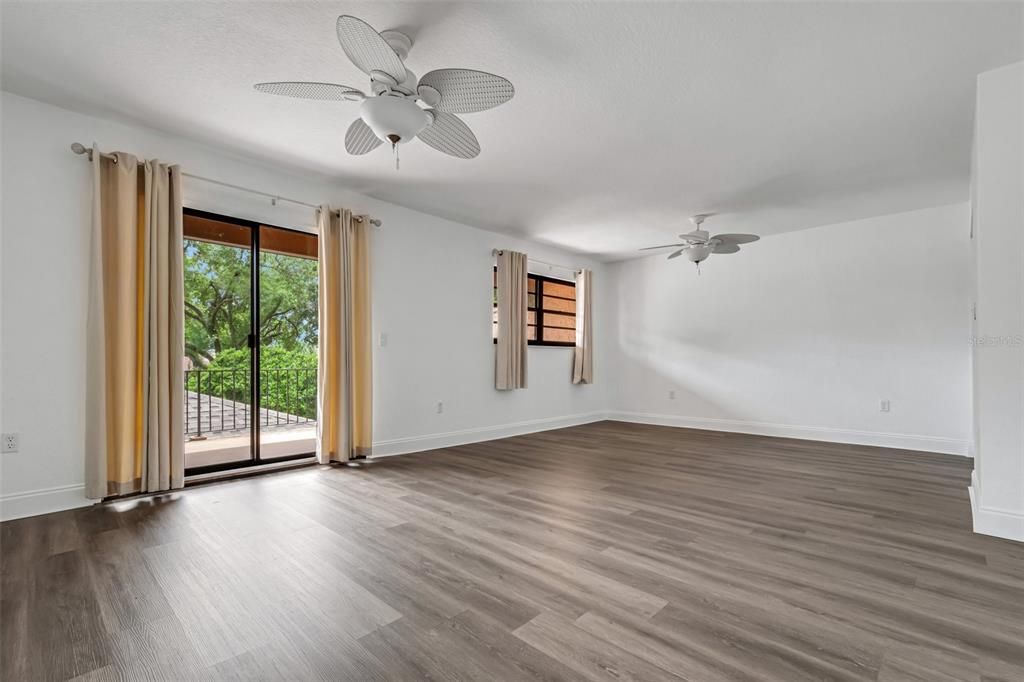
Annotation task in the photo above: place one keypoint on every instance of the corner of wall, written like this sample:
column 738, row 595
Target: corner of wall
column 999, row 523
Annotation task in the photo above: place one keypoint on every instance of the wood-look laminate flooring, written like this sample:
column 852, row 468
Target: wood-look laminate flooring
column 606, row 551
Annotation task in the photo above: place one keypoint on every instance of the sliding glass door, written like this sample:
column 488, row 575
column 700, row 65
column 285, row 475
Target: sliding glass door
column 250, row 340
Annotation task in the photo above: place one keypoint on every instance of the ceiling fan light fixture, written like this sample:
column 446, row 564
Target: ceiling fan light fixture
column 699, row 244
column 394, row 119
column 695, row 254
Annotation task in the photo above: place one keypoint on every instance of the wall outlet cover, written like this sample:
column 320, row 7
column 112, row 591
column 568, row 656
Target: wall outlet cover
column 9, row 442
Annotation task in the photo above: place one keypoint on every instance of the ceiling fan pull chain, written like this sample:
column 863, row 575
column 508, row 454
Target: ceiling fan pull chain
column 394, row 148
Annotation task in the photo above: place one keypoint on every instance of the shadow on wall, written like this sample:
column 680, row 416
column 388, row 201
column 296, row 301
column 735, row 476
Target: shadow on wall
column 689, row 361
column 681, row 368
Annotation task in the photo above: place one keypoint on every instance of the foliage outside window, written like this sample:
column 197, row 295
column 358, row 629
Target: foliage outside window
column 218, row 299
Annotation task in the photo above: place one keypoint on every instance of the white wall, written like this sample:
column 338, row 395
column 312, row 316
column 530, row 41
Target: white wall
column 997, row 489
column 803, row 334
column 800, row 334
column 429, row 281
column 429, row 276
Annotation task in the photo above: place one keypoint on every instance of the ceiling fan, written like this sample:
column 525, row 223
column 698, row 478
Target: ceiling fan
column 391, row 112
column 699, row 244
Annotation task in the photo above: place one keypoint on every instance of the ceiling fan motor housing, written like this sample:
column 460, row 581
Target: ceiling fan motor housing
column 394, row 119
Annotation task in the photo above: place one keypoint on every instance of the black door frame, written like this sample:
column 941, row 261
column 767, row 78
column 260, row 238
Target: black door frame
column 254, row 348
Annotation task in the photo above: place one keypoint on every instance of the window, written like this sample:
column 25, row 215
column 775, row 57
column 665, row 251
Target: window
column 553, row 321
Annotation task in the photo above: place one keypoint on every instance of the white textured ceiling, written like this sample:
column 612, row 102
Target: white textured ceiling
column 627, row 116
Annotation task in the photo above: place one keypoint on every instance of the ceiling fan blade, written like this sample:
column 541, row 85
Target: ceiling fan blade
column 359, row 139
column 367, row 49
column 676, row 254
column 304, row 90
column 449, row 134
column 464, row 91
column 736, row 238
column 663, row 246
column 725, row 248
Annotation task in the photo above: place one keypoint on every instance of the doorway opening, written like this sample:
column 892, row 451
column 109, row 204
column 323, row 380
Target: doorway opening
column 251, row 332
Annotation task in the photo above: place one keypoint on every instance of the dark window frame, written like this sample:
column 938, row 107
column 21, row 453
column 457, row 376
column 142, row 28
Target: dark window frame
column 539, row 309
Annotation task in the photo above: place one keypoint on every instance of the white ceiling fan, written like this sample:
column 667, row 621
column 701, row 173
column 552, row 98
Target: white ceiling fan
column 699, row 244
column 391, row 113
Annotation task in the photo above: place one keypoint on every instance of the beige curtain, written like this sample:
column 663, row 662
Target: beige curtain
column 345, row 367
column 510, row 351
column 583, row 356
column 134, row 335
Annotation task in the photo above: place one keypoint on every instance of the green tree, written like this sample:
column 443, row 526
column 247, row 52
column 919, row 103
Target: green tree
column 218, row 300
column 288, row 301
column 218, row 296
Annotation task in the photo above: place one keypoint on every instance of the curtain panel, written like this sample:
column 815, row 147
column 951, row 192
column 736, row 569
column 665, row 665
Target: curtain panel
column 345, row 351
column 583, row 354
column 135, row 329
column 510, row 350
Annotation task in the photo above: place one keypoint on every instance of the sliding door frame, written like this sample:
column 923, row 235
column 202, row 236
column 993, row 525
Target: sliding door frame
column 254, row 343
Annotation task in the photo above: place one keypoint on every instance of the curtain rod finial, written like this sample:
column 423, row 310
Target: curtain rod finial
column 80, row 149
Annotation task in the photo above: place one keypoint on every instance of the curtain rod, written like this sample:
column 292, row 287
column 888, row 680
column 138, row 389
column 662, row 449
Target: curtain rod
column 495, row 252
column 81, row 149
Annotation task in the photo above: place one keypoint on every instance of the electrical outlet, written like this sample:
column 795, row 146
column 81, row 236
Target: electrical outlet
column 383, row 340
column 671, row 395
column 440, row 407
column 9, row 442
column 884, row 406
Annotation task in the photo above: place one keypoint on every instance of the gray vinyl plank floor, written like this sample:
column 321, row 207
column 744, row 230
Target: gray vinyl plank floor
column 608, row 551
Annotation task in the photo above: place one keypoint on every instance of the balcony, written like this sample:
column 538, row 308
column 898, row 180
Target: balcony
column 218, row 416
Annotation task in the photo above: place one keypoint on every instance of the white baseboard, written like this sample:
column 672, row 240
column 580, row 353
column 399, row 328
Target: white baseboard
column 433, row 441
column 60, row 498
column 949, row 446
column 44, row 501
column 31, row 503
column 1000, row 523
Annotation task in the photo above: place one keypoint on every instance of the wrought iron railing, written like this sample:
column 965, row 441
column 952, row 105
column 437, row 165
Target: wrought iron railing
column 218, row 400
